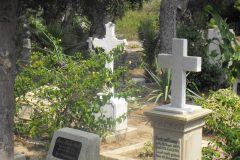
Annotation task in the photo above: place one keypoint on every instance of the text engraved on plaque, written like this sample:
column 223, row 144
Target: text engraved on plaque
column 67, row 149
column 167, row 149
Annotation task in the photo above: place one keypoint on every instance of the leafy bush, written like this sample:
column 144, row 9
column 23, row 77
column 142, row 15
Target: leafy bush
column 224, row 123
column 163, row 83
column 64, row 93
column 129, row 24
column 208, row 153
column 147, row 150
column 191, row 28
column 147, row 33
column 62, row 90
column 230, row 48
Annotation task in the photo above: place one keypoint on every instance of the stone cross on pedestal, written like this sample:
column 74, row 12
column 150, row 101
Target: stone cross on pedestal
column 116, row 107
column 108, row 43
column 179, row 63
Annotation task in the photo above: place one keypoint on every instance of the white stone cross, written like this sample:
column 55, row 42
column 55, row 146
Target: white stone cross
column 109, row 42
column 179, row 62
column 117, row 107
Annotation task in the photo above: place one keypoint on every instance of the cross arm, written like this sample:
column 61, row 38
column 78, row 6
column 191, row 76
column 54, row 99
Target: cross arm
column 192, row 63
column 99, row 43
column 165, row 60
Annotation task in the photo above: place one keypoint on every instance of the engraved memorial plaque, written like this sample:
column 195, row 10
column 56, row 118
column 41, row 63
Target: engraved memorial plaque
column 67, row 149
column 167, row 148
column 73, row 144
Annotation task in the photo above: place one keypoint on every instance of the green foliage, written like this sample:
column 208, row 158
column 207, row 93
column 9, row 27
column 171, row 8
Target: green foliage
column 163, row 82
column 224, row 122
column 190, row 27
column 237, row 5
column 148, row 35
column 54, row 10
column 61, row 93
column 47, row 38
column 210, row 154
column 61, row 90
column 129, row 24
column 230, row 49
column 147, row 150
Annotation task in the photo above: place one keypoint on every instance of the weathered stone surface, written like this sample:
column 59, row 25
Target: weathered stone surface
column 179, row 62
column 117, row 106
column 72, row 144
column 19, row 157
column 108, row 43
column 178, row 126
column 176, row 136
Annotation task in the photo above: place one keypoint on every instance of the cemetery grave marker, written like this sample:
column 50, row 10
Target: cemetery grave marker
column 72, row 144
column 178, row 126
column 116, row 107
column 214, row 45
column 215, row 36
column 109, row 42
column 179, row 62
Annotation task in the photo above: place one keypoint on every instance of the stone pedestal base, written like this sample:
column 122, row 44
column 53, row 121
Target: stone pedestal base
column 177, row 136
column 116, row 108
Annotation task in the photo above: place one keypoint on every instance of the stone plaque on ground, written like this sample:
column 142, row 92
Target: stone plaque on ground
column 72, row 144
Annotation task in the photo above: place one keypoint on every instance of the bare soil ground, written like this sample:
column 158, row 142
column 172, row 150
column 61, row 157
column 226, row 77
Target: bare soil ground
column 136, row 119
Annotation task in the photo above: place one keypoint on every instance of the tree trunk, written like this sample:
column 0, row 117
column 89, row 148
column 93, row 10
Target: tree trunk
column 98, row 25
column 8, row 21
column 68, row 15
column 168, row 21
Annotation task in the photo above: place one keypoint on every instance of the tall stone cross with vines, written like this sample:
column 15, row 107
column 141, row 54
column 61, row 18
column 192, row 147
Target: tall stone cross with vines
column 108, row 43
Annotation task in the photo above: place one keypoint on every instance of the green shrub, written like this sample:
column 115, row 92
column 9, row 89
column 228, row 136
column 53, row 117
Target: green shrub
column 224, row 123
column 147, row 150
column 129, row 24
column 208, row 153
column 192, row 29
column 163, row 83
column 62, row 90
column 148, row 35
column 230, row 48
column 64, row 93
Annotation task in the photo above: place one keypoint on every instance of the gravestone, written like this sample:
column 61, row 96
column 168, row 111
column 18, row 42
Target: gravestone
column 72, row 144
column 178, row 126
column 116, row 107
column 215, row 36
column 179, row 62
column 108, row 43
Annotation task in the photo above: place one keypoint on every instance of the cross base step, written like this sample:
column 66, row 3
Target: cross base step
column 172, row 109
